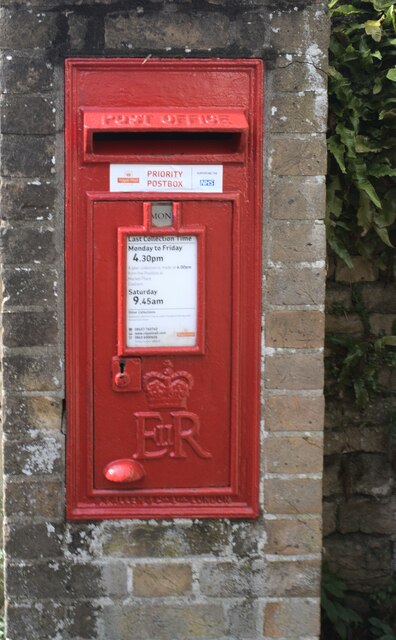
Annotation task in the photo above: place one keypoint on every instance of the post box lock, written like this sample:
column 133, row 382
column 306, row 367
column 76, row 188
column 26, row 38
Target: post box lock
column 123, row 470
column 127, row 374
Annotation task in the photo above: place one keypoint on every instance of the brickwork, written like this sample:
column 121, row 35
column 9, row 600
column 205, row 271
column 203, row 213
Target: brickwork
column 183, row 579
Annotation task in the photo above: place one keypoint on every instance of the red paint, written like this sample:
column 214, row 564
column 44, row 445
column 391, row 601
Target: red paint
column 163, row 431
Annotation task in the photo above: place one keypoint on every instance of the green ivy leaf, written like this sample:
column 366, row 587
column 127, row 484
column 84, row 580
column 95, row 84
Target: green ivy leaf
column 382, row 5
column 391, row 75
column 383, row 234
column 373, row 29
column 338, row 150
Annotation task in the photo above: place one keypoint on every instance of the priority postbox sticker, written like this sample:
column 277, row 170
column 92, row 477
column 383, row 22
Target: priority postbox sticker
column 176, row 178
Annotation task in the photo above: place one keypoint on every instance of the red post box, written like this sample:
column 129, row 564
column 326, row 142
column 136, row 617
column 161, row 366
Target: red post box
column 163, row 287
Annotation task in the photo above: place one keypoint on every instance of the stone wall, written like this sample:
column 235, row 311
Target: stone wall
column 167, row 579
column 359, row 487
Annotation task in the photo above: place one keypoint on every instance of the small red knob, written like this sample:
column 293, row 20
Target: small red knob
column 123, row 470
column 122, row 379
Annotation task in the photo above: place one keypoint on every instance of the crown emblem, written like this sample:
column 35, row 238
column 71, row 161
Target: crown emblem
column 169, row 389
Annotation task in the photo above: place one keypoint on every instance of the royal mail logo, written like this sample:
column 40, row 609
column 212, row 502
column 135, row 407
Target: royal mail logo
column 128, row 179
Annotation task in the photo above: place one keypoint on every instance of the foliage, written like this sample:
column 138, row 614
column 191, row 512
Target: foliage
column 361, row 209
column 341, row 618
column 356, row 362
column 381, row 630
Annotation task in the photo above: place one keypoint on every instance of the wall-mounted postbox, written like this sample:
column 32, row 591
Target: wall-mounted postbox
column 163, row 297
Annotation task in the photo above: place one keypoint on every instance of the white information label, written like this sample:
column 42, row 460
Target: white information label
column 201, row 178
column 161, row 308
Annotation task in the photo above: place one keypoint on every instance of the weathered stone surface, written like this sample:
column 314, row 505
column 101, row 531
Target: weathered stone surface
column 291, row 618
column 162, row 540
column 329, row 518
column 297, row 241
column 29, row 156
column 294, row 413
column 82, row 620
column 370, row 475
column 166, row 28
column 115, row 579
column 291, row 537
column 296, row 113
column 43, row 498
column 144, row 622
column 294, row 578
column 338, row 298
column 362, row 271
column 347, row 439
column 347, row 324
column 304, row 329
column 383, row 323
column 43, row 620
column 242, row 620
column 226, row 579
column 29, row 329
column 286, row 30
column 367, row 516
column 296, row 285
column 25, row 75
column 32, row 373
column 28, row 199
column 24, row 415
column 362, row 561
column 33, row 541
column 299, row 156
column 159, row 580
column 31, row 30
column 297, row 495
column 379, row 296
column 22, row 246
column 27, row 115
column 41, row 456
column 296, row 76
column 294, row 454
column 294, row 371
column 29, row 286
column 297, row 198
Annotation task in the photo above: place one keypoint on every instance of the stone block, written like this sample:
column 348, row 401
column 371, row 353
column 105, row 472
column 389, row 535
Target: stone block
column 302, row 156
column 27, row 156
column 42, row 456
column 161, row 540
column 296, row 76
column 248, row 538
column 329, row 518
column 226, row 579
column 50, row 579
column 298, row 198
column 160, row 580
column 42, row 498
column 299, row 578
column 296, row 329
column 294, row 454
column 338, row 297
column 252, row 30
column 24, row 199
column 27, row 115
column 362, row 271
column 29, row 541
column 115, row 579
column 291, row 285
column 29, row 329
column 28, row 30
column 86, row 581
column 367, row 516
column 347, row 324
column 383, row 323
column 26, row 75
column 82, row 620
column 164, row 622
column 291, row 537
column 298, row 242
column 333, row 479
column 304, row 32
column 28, row 285
column 296, row 113
column 351, row 438
column 26, row 415
column 32, row 373
column 294, row 371
column 292, row 617
column 26, row 245
column 128, row 31
column 42, row 620
column 380, row 297
column 242, row 618
column 362, row 561
column 294, row 413
column 370, row 475
column 294, row 496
